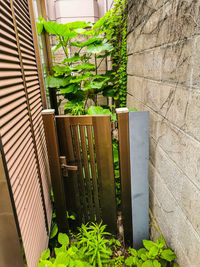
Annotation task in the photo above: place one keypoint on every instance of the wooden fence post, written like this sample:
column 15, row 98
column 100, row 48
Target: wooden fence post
column 139, row 166
column 55, row 168
column 104, row 157
column 124, row 157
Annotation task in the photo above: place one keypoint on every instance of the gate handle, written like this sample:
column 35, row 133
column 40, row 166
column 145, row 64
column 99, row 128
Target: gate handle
column 65, row 167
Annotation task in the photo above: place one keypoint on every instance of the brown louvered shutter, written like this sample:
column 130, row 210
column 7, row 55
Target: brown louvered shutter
column 21, row 127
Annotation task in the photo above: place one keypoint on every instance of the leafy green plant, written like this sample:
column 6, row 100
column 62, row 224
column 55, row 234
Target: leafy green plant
column 65, row 255
column 114, row 26
column 92, row 243
column 117, row 170
column 75, row 77
column 154, row 254
column 90, row 247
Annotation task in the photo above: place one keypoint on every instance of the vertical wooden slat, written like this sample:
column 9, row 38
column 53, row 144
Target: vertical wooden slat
column 104, row 157
column 80, row 169
column 124, row 158
column 55, row 169
column 93, row 171
column 66, row 149
column 9, row 240
column 86, row 169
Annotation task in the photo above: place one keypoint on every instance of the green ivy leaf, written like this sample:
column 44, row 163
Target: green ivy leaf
column 133, row 252
column 45, row 254
column 74, row 58
column 129, row 261
column 62, row 258
column 93, row 85
column 55, row 28
column 78, row 25
column 84, row 66
column 141, row 251
column 97, row 110
column 54, row 230
column 60, row 70
column 156, row 263
column 92, row 40
column 40, row 25
column 132, row 109
column 160, row 242
column 148, row 244
column 63, row 239
column 168, row 255
column 153, row 252
column 55, row 82
column 71, row 88
column 97, row 48
column 45, row 264
column 148, row 263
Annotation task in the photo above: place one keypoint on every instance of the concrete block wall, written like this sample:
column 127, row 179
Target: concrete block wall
column 164, row 78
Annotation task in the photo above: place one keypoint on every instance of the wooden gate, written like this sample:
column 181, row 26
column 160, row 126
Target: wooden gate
column 88, row 182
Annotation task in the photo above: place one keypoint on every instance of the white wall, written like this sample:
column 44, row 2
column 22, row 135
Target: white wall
column 64, row 11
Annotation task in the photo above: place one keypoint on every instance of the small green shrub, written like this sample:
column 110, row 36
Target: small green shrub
column 91, row 247
column 92, row 243
column 154, row 254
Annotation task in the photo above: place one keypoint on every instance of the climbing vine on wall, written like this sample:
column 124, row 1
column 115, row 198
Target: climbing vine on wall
column 114, row 25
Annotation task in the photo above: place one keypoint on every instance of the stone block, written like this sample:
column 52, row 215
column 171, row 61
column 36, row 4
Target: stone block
column 135, row 41
column 189, row 239
column 180, row 20
column 135, row 65
column 176, row 63
column 195, row 75
column 180, row 186
column 193, row 114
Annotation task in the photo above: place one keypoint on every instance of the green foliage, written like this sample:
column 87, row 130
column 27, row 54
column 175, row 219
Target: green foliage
column 90, row 248
column 65, row 255
column 101, row 111
column 114, row 26
column 154, row 254
column 76, row 78
column 92, row 243
column 75, row 73
column 117, row 170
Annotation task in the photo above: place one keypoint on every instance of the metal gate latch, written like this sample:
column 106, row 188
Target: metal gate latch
column 65, row 168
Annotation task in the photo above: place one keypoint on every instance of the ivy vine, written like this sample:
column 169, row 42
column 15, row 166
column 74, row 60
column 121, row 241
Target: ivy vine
column 114, row 26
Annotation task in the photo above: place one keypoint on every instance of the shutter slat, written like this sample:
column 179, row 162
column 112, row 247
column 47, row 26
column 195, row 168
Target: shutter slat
column 17, row 156
column 21, row 130
column 23, row 11
column 7, row 43
column 12, row 106
column 15, row 134
column 9, row 83
column 21, row 172
column 9, row 116
column 26, row 51
column 11, row 98
column 7, row 50
column 17, row 147
column 8, row 74
column 17, row 164
column 7, row 127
